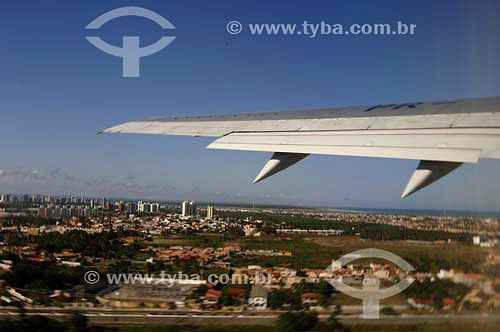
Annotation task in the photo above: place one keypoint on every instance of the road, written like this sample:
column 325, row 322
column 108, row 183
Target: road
column 158, row 316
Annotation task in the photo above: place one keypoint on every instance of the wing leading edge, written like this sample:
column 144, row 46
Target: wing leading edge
column 443, row 135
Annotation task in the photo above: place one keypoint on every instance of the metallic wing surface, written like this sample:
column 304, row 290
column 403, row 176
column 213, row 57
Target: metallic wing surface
column 442, row 134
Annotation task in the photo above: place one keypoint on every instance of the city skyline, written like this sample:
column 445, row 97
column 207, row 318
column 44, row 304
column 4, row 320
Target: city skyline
column 132, row 205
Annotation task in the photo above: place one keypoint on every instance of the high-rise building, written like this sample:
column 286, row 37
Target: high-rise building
column 148, row 207
column 210, row 212
column 192, row 207
column 185, row 208
column 131, row 207
column 143, row 207
column 188, row 209
column 5, row 198
column 155, row 207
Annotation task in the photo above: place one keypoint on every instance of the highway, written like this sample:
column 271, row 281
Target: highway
column 158, row 316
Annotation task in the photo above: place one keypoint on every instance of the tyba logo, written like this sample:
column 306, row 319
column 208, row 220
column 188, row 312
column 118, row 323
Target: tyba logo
column 371, row 294
column 130, row 51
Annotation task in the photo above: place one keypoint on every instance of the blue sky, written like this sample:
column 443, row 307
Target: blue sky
column 57, row 90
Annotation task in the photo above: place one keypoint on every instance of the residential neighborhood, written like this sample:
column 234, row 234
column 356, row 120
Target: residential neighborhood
column 254, row 249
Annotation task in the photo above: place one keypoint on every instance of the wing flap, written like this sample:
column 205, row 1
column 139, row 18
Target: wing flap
column 404, row 144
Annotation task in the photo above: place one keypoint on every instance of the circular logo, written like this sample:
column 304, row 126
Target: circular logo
column 234, row 27
column 91, row 277
column 371, row 293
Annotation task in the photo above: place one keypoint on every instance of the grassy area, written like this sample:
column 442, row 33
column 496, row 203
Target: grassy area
column 193, row 240
column 305, row 254
column 171, row 241
column 318, row 252
column 423, row 256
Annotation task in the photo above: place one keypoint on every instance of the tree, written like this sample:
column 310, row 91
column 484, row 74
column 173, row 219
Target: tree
column 388, row 311
column 338, row 310
column 324, row 300
column 31, row 324
column 78, row 323
column 228, row 300
column 280, row 297
column 332, row 325
column 276, row 299
column 297, row 322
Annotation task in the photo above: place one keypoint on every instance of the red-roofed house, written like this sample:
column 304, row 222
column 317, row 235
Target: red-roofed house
column 236, row 292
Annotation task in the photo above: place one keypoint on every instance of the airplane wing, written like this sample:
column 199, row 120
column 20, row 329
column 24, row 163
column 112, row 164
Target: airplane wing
column 443, row 134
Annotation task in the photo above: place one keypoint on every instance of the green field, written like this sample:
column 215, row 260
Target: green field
column 318, row 252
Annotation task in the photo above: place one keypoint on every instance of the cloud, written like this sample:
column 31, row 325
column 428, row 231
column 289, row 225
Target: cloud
column 20, row 176
column 59, row 181
column 55, row 172
column 36, row 176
